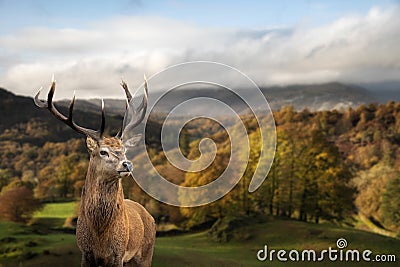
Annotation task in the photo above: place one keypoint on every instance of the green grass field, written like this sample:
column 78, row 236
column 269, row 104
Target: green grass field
column 41, row 245
column 54, row 215
column 57, row 210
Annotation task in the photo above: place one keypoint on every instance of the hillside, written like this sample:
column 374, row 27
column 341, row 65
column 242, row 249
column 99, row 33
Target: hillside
column 15, row 109
column 21, row 120
column 197, row 249
column 50, row 247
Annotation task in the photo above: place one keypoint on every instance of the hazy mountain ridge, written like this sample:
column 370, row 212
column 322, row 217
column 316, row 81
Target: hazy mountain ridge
column 318, row 97
column 16, row 109
column 313, row 97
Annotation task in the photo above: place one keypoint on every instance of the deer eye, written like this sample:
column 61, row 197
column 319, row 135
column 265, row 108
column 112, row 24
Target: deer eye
column 104, row 153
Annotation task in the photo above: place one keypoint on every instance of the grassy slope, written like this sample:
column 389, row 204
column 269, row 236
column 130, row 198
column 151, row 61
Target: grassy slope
column 197, row 250
column 54, row 215
column 43, row 243
column 35, row 245
column 52, row 247
column 57, row 210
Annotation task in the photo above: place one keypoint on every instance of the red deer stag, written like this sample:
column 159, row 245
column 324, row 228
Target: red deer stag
column 111, row 230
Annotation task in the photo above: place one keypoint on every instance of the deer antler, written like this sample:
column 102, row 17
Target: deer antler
column 68, row 120
column 136, row 114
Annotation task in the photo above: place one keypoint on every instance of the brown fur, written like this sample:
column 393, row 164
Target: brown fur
column 110, row 230
column 112, row 142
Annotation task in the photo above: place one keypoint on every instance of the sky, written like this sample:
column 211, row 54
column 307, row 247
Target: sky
column 90, row 45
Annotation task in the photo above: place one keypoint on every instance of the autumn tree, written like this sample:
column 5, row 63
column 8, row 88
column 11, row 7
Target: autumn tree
column 18, row 204
column 371, row 185
column 391, row 204
column 5, row 177
column 329, row 180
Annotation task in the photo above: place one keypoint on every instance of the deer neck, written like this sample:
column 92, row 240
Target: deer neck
column 102, row 199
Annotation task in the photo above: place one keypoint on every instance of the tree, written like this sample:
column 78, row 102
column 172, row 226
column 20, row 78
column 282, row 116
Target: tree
column 5, row 177
column 391, row 204
column 290, row 149
column 371, row 186
column 324, row 181
column 18, row 204
column 64, row 177
column 184, row 141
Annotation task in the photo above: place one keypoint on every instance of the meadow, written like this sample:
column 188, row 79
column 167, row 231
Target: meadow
column 47, row 241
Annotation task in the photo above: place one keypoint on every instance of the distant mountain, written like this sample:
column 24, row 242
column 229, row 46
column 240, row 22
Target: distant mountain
column 384, row 91
column 314, row 97
column 21, row 120
column 111, row 106
column 318, row 97
column 15, row 109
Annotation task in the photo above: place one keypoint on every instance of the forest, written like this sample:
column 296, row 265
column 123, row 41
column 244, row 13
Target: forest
column 328, row 166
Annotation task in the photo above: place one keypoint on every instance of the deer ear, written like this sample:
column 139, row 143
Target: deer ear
column 133, row 141
column 91, row 144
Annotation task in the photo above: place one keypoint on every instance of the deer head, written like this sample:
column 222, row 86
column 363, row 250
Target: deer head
column 107, row 154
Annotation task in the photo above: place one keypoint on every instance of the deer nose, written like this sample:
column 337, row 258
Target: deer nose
column 127, row 165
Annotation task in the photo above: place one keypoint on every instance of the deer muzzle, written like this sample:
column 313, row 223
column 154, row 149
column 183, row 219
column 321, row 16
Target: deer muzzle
column 127, row 165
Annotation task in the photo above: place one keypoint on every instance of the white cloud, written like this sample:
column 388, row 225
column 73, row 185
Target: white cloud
column 92, row 60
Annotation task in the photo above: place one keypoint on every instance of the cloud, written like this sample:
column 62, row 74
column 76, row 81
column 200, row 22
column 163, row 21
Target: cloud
column 357, row 49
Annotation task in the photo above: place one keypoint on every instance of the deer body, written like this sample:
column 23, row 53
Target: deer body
column 111, row 230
